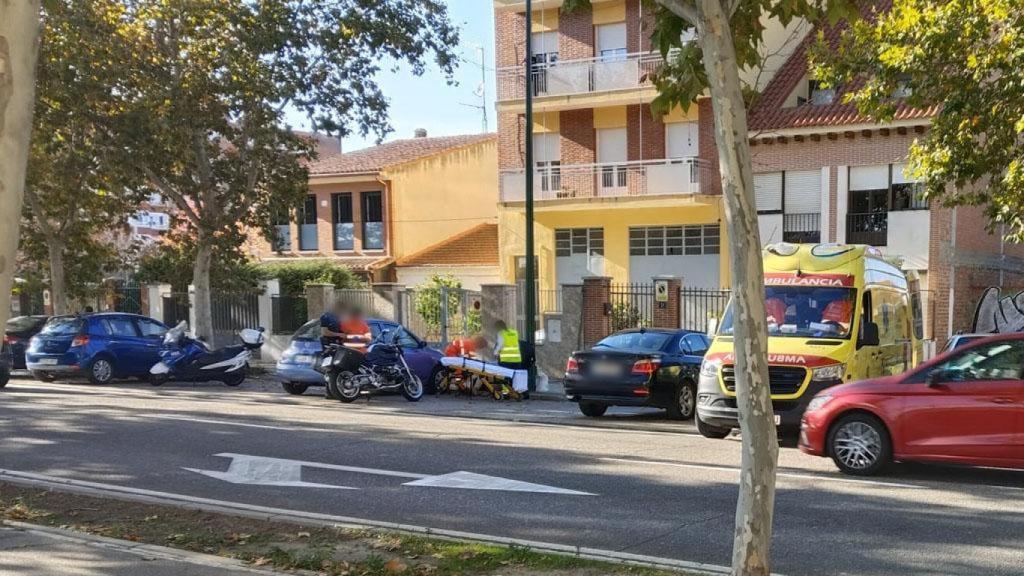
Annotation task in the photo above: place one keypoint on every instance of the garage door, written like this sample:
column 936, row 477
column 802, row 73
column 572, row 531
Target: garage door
column 690, row 252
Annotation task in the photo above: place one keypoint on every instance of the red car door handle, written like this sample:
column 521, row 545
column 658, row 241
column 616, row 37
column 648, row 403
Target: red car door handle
column 1003, row 400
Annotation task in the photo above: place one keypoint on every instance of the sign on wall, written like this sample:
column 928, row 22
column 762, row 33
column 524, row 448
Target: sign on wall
column 151, row 220
column 661, row 293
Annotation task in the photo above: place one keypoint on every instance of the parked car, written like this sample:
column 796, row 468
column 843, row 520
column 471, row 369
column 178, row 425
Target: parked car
column 5, row 364
column 17, row 334
column 100, row 347
column 643, row 367
column 958, row 340
column 295, row 368
column 963, row 407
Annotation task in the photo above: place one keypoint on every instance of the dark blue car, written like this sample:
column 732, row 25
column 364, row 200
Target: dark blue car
column 100, row 347
column 643, row 367
column 295, row 369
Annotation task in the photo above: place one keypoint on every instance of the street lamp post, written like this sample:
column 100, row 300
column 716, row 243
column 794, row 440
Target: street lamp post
column 530, row 296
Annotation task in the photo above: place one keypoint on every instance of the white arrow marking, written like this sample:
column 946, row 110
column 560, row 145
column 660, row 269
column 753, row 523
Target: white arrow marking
column 471, row 481
column 263, row 471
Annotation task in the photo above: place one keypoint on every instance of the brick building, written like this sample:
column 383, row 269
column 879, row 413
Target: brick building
column 369, row 208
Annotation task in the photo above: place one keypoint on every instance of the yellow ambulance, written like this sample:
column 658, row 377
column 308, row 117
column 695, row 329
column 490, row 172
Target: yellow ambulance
column 835, row 312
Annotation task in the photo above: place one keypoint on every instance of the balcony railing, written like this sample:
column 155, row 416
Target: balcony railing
column 626, row 179
column 802, row 228
column 571, row 77
column 870, row 228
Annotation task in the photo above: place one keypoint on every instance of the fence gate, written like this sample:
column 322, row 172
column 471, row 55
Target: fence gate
column 176, row 307
column 697, row 306
column 439, row 314
column 128, row 297
column 289, row 313
column 231, row 313
column 632, row 306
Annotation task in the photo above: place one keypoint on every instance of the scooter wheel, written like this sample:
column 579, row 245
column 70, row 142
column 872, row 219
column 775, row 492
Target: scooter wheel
column 233, row 380
column 157, row 379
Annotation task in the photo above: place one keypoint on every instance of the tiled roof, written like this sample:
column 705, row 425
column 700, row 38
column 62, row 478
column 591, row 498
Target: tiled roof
column 477, row 246
column 376, row 158
column 770, row 113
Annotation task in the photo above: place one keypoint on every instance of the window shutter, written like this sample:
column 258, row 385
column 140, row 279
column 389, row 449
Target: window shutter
column 869, row 177
column 768, row 189
column 803, row 192
column 611, row 37
column 546, row 147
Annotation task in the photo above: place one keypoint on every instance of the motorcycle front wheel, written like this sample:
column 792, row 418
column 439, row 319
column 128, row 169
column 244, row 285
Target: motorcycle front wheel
column 413, row 388
column 341, row 385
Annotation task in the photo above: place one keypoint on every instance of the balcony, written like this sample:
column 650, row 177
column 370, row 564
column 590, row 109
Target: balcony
column 627, row 179
column 802, row 228
column 870, row 228
column 579, row 77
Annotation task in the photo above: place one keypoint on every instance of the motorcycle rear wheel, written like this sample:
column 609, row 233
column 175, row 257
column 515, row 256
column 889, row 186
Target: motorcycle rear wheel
column 340, row 386
column 412, row 389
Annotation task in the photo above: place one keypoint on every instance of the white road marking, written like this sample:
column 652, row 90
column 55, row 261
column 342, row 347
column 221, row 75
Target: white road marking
column 265, row 471
column 736, row 470
column 298, row 516
column 471, row 481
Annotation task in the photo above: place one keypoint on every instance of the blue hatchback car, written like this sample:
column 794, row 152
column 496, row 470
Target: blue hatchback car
column 100, row 347
column 295, row 369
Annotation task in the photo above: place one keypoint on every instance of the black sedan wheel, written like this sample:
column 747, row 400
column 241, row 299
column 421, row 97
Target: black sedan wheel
column 684, row 403
column 593, row 409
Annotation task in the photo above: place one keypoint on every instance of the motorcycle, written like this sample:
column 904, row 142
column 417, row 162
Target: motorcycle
column 191, row 360
column 383, row 368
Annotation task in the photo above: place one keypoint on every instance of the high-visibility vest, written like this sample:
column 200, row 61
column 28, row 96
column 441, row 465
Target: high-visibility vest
column 510, row 347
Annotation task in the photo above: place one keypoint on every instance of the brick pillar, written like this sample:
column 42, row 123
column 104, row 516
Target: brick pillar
column 578, row 146
column 710, row 181
column 597, row 319
column 668, row 314
column 319, row 299
column 153, row 300
column 638, row 22
column 576, row 38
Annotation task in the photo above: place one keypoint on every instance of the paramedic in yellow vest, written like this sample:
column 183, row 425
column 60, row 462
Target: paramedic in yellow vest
column 506, row 346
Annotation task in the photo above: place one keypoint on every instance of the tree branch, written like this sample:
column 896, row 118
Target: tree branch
column 685, row 10
column 167, row 190
column 37, row 211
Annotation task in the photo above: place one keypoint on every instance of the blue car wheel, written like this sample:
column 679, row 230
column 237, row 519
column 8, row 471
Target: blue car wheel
column 101, row 370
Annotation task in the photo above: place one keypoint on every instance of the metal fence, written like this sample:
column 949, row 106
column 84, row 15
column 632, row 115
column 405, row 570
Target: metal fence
column 441, row 314
column 128, row 297
column 288, row 313
column 361, row 298
column 698, row 306
column 176, row 306
column 632, row 306
column 233, row 312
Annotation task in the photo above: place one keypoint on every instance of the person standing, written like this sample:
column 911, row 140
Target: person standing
column 506, row 346
column 330, row 325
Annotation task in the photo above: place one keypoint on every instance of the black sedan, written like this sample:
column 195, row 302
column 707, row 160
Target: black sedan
column 643, row 367
column 19, row 331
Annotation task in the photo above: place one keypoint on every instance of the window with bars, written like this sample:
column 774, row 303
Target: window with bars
column 579, row 241
column 694, row 240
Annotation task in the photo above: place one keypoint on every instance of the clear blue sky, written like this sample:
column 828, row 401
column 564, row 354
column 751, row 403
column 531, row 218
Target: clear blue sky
column 428, row 101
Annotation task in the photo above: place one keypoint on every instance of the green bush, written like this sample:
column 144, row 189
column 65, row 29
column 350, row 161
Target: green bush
column 294, row 276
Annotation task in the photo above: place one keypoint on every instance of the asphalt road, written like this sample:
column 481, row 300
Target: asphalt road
column 657, row 488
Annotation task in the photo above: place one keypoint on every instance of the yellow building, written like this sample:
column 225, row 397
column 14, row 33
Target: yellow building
column 369, row 208
column 618, row 191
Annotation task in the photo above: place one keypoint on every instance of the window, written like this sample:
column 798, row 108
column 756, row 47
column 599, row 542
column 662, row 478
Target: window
column 373, row 220
column 283, row 230
column 545, row 56
column 768, row 192
column 122, row 327
column 906, row 193
column 611, row 41
column 636, row 341
column 151, row 329
column 63, row 326
column 696, row 240
column 579, row 241
column 307, row 225
column 681, row 140
column 819, row 95
column 341, row 215
column 547, row 158
column 405, row 339
column 693, row 344
column 995, row 361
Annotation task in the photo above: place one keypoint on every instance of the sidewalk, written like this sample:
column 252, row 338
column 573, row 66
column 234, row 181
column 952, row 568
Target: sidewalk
column 30, row 550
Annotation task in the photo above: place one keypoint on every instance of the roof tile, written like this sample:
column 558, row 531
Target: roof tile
column 377, row 158
column 477, row 246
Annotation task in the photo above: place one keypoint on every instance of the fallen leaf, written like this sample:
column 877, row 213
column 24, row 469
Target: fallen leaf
column 395, row 566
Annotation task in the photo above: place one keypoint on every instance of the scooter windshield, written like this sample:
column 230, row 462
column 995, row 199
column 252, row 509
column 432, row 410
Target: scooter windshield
column 173, row 336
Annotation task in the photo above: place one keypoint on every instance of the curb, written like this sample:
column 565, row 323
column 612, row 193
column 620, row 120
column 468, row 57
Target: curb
column 316, row 519
column 146, row 551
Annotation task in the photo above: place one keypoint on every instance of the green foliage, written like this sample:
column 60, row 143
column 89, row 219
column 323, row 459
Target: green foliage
column 683, row 78
column 81, row 183
column 294, row 276
column 171, row 263
column 428, row 299
column 570, row 6
column 627, row 316
column 964, row 59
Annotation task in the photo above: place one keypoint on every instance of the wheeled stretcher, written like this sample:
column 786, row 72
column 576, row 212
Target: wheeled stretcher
column 491, row 376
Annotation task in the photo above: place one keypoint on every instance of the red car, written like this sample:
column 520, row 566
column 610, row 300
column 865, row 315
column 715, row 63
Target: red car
column 964, row 407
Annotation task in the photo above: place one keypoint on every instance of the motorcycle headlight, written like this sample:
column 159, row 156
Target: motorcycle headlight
column 827, row 373
column 709, row 368
column 818, row 402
